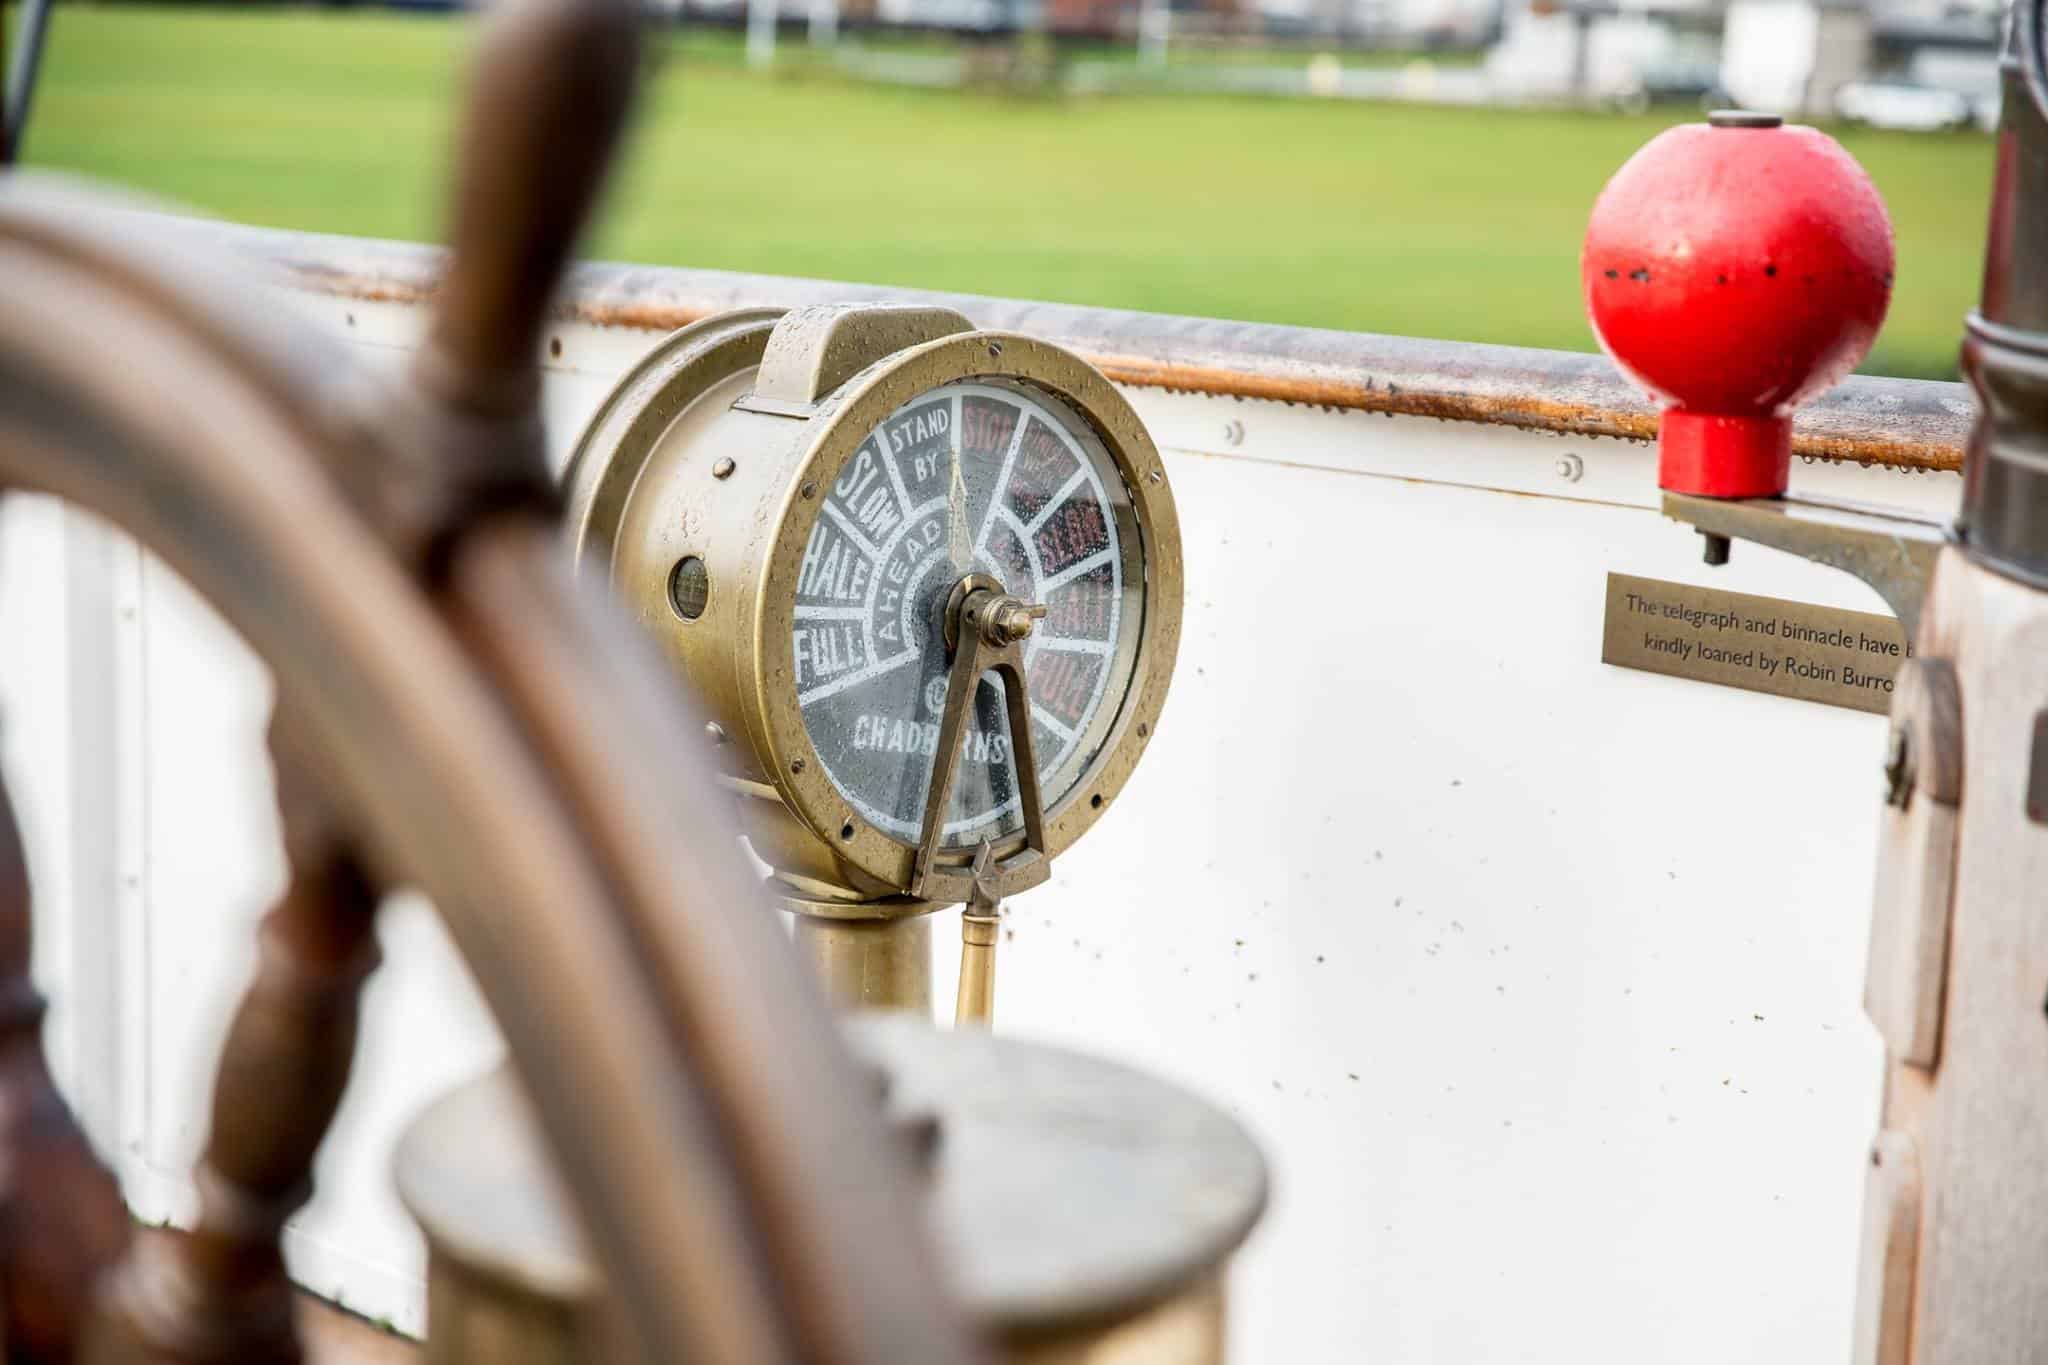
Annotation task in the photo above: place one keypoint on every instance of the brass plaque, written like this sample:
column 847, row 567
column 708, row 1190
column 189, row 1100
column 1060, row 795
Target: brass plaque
column 1766, row 644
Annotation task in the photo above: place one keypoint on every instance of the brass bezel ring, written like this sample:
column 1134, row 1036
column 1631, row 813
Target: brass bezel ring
column 847, row 418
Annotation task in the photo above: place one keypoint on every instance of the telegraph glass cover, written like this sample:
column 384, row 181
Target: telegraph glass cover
column 988, row 477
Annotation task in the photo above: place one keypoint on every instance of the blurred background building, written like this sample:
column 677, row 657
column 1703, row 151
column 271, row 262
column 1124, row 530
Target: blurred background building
column 1918, row 64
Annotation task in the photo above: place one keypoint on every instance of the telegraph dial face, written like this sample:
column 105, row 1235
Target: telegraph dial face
column 993, row 477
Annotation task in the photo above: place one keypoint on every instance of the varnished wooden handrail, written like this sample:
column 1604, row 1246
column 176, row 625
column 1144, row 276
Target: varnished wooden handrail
column 1912, row 424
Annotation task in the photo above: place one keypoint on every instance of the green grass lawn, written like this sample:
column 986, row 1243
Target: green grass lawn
column 1449, row 223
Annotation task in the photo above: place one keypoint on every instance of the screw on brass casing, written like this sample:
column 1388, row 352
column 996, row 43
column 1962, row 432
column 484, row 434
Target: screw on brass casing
column 1898, row 768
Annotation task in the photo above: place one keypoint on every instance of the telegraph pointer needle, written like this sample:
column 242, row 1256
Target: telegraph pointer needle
column 959, row 542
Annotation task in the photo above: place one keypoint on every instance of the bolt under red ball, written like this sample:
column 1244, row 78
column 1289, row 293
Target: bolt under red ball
column 1734, row 269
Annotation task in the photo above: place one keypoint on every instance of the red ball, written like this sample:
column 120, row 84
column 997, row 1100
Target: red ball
column 1734, row 272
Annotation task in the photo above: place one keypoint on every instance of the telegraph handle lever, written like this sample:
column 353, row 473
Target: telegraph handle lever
column 986, row 627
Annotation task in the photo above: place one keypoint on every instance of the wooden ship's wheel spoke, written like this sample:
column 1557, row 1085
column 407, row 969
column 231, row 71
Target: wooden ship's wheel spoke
column 219, row 1293
column 391, row 552
column 61, row 1216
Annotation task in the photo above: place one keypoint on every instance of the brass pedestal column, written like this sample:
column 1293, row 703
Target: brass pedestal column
column 871, row 955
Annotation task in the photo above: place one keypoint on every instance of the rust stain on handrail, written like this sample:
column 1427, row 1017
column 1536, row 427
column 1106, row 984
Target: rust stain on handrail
column 1533, row 410
column 1906, row 424
column 1529, row 410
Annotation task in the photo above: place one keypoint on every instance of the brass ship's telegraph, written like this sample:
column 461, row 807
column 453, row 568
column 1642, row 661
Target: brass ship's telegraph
column 925, row 578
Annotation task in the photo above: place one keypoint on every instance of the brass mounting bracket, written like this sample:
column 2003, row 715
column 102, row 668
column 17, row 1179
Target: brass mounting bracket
column 1892, row 551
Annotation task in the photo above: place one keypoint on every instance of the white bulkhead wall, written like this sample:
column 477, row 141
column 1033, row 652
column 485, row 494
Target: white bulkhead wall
column 1539, row 979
